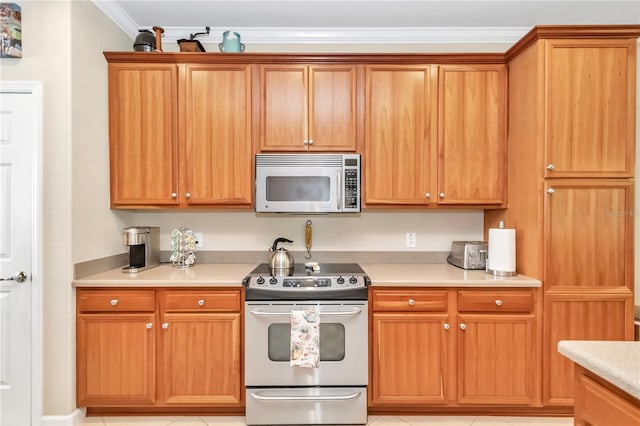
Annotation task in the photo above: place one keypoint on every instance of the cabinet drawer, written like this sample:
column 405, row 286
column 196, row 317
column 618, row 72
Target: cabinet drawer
column 495, row 301
column 201, row 301
column 409, row 300
column 116, row 300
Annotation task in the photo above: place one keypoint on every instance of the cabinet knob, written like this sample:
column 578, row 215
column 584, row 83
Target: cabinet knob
column 310, row 141
column 498, row 302
column 550, row 167
column 187, row 195
column 428, row 195
column 114, row 302
column 446, row 326
column 412, row 302
column 165, row 325
column 463, row 326
column 550, row 191
column 201, row 302
column 442, row 195
column 304, row 142
column 174, row 195
column 149, row 325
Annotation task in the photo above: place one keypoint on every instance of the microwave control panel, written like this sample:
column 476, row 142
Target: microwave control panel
column 351, row 183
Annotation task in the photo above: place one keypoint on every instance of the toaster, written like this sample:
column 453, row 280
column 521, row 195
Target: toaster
column 468, row 254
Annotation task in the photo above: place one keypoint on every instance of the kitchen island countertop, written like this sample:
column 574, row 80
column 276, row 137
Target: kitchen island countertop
column 165, row 275
column 617, row 362
column 439, row 275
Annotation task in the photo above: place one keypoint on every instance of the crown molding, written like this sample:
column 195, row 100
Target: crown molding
column 326, row 35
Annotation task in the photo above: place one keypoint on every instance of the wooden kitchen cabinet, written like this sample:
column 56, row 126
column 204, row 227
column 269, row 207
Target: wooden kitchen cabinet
column 200, row 346
column 454, row 348
column 308, row 107
column 216, row 119
column 590, row 97
column 410, row 348
column 472, row 134
column 159, row 349
column 143, row 129
column 115, row 351
column 399, row 164
column 435, row 135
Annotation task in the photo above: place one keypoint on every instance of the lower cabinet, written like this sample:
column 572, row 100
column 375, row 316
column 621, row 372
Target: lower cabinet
column 159, row 348
column 454, row 347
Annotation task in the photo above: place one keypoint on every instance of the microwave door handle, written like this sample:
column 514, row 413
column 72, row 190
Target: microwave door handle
column 339, row 190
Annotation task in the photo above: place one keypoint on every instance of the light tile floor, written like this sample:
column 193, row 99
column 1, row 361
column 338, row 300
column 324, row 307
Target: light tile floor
column 373, row 421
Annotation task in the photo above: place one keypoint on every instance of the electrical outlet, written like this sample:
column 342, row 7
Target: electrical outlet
column 199, row 239
column 410, row 238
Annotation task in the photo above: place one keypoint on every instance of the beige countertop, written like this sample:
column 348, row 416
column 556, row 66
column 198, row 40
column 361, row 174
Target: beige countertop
column 615, row 361
column 165, row 275
column 439, row 275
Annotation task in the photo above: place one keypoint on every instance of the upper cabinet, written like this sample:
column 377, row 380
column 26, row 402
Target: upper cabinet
column 472, row 131
column 308, row 107
column 435, row 135
column 215, row 119
column 180, row 135
column 143, row 134
column 590, row 95
column 398, row 148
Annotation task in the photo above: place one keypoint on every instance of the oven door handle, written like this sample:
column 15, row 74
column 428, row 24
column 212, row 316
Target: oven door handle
column 262, row 397
column 349, row 313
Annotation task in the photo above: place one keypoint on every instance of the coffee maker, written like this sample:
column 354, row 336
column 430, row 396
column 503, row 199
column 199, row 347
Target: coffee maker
column 144, row 247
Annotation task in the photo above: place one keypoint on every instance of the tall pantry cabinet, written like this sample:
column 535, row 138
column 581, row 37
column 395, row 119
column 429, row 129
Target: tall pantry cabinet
column 571, row 144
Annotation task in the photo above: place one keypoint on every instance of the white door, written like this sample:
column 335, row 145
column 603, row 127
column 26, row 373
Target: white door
column 19, row 135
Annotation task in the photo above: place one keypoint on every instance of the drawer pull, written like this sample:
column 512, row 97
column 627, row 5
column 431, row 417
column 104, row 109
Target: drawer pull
column 201, row 302
column 412, row 302
column 149, row 325
column 165, row 325
column 498, row 302
column 114, row 302
column 463, row 326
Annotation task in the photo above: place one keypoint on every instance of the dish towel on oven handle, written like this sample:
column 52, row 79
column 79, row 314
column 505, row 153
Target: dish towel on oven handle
column 305, row 337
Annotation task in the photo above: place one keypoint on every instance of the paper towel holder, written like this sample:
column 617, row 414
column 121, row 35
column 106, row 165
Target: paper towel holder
column 497, row 272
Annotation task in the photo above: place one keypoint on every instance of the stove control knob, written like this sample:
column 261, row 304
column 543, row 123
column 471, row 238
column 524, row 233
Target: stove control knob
column 353, row 280
column 260, row 280
column 273, row 281
column 340, row 280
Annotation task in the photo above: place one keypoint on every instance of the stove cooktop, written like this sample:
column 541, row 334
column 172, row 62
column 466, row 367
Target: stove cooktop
column 331, row 281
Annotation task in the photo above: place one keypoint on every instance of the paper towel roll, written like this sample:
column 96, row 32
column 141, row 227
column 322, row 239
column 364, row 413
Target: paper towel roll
column 502, row 252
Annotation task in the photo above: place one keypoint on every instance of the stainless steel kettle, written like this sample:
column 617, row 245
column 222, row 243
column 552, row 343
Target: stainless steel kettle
column 280, row 260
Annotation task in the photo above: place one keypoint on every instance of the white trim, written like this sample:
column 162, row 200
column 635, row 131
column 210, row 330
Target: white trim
column 115, row 12
column 35, row 88
column 75, row 418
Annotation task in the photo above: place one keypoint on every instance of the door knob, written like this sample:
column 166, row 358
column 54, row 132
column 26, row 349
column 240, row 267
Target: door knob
column 19, row 277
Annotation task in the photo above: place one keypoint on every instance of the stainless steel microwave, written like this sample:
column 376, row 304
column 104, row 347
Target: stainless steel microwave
column 308, row 183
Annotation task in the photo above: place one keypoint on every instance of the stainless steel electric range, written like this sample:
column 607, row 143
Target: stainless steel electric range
column 335, row 392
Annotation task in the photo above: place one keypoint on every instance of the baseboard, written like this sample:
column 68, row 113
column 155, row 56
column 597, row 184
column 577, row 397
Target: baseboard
column 75, row 418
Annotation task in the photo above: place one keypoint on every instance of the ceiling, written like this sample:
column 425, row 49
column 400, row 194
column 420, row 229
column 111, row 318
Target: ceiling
column 363, row 21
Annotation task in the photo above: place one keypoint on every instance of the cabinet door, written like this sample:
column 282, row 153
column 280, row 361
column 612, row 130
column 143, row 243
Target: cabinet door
column 143, row 134
column 398, row 154
column 332, row 108
column 590, row 111
column 284, row 101
column 216, row 116
column 201, row 359
column 579, row 316
column 471, row 134
column 588, row 234
column 496, row 359
column 115, row 359
column 410, row 359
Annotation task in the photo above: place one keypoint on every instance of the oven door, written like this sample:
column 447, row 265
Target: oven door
column 343, row 344
column 298, row 190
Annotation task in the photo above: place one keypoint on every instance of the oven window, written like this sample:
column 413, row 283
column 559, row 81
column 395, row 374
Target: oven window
column 298, row 188
column 331, row 342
